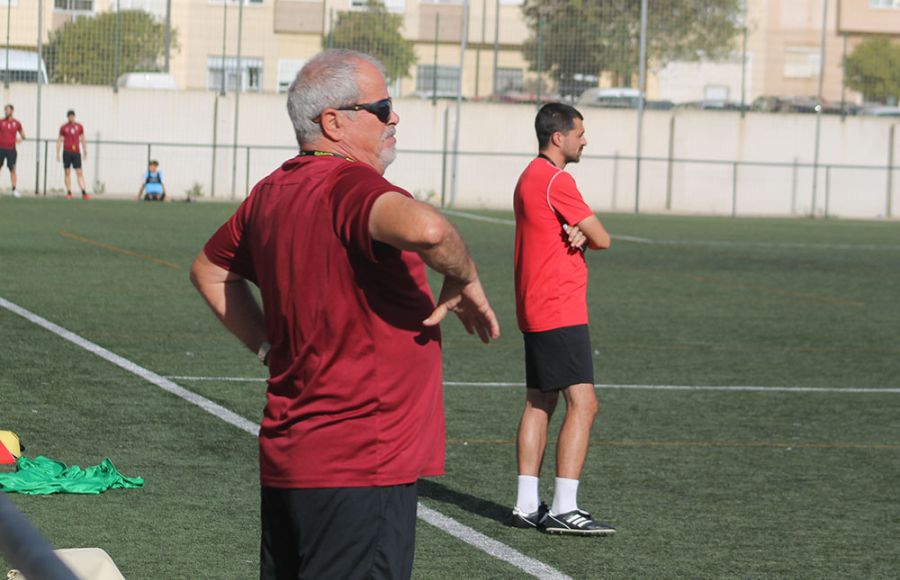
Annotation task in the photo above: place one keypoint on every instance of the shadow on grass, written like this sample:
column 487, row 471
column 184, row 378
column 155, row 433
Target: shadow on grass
column 431, row 489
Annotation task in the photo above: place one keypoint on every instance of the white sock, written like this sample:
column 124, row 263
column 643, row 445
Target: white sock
column 565, row 496
column 527, row 500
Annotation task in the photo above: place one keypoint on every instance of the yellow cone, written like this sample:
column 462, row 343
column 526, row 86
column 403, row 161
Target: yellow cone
column 10, row 449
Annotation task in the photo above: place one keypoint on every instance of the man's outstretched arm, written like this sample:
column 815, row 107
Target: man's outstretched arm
column 411, row 225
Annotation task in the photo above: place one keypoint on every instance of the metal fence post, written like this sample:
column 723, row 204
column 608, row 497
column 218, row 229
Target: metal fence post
column 46, row 151
column 827, row 190
column 734, row 170
column 642, row 85
column 8, row 19
column 37, row 130
column 815, row 176
column 434, row 72
column 794, row 171
column 462, row 67
column 670, row 163
column 888, row 201
column 444, row 156
column 149, row 153
column 247, row 175
column 615, row 179
column 237, row 99
column 496, row 44
column 118, row 57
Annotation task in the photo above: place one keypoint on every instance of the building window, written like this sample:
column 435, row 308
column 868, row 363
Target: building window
column 248, row 77
column 287, row 72
column 442, row 1
column 885, row 4
column 246, row 2
column 510, row 80
column 73, row 5
column 442, row 81
column 801, row 62
column 396, row 6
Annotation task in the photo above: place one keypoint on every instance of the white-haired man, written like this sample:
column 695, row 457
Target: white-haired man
column 348, row 330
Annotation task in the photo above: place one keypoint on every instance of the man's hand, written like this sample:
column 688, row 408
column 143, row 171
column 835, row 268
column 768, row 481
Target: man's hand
column 576, row 237
column 470, row 304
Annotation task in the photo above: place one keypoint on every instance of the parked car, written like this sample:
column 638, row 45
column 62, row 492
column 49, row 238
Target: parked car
column 711, row 105
column 146, row 80
column 880, row 111
column 620, row 98
column 614, row 98
column 24, row 67
column 773, row 104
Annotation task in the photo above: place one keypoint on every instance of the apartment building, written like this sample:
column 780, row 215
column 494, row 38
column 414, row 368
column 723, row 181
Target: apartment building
column 783, row 44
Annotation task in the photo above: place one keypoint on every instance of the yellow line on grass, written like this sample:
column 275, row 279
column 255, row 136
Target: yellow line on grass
column 740, row 444
column 119, row 250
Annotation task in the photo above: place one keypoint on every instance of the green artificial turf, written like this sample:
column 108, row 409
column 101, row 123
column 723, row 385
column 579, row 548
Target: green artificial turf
column 700, row 483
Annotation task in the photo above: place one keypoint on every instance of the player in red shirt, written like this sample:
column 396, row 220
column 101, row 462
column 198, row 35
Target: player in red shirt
column 11, row 134
column 348, row 330
column 554, row 226
column 74, row 150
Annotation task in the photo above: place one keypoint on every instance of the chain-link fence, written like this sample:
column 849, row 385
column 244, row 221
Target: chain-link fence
column 755, row 72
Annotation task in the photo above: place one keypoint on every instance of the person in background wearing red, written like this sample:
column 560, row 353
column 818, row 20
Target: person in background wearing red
column 74, row 150
column 554, row 227
column 11, row 134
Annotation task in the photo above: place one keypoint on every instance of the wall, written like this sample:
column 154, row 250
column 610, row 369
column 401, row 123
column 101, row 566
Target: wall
column 496, row 141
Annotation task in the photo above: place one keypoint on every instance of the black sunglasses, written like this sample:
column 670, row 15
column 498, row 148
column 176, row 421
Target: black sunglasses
column 381, row 109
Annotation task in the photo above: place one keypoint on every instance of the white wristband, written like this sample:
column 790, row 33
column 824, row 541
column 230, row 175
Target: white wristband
column 263, row 353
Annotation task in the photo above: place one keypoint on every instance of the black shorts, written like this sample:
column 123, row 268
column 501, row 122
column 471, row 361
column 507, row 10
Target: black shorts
column 558, row 358
column 10, row 156
column 71, row 159
column 342, row 532
column 154, row 197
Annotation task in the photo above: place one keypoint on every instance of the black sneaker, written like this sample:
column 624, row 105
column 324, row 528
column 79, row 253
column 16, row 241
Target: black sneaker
column 575, row 523
column 533, row 520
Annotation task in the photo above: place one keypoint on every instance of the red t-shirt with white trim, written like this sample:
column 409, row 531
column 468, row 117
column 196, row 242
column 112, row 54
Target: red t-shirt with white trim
column 355, row 390
column 9, row 129
column 71, row 134
column 551, row 277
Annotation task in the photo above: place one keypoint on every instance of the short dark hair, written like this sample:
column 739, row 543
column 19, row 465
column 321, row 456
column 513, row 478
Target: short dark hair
column 71, row 112
column 153, row 162
column 10, row 106
column 553, row 118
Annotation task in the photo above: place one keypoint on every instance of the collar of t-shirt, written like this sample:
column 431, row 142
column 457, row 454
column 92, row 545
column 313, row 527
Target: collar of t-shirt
column 542, row 156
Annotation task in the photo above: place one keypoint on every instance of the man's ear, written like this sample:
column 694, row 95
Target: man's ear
column 332, row 124
column 556, row 138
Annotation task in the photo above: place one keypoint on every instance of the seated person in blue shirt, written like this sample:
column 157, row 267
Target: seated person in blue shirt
column 153, row 188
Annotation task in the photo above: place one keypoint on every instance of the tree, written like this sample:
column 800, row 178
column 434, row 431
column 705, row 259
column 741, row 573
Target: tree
column 578, row 40
column 375, row 31
column 84, row 51
column 874, row 70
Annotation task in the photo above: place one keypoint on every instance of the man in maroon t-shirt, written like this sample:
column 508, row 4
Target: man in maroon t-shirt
column 71, row 140
column 553, row 228
column 11, row 134
column 348, row 330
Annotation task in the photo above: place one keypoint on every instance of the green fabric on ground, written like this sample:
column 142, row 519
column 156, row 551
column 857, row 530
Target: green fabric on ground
column 44, row 476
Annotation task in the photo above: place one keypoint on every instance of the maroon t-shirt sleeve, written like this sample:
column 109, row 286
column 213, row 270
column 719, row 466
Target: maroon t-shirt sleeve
column 228, row 248
column 567, row 200
column 356, row 187
column 62, row 130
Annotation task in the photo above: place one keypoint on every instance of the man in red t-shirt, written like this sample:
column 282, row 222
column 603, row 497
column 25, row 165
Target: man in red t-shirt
column 74, row 150
column 11, row 134
column 554, row 226
column 348, row 330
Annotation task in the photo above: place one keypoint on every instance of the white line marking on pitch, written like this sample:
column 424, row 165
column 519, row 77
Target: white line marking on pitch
column 725, row 243
column 449, row 525
column 888, row 390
